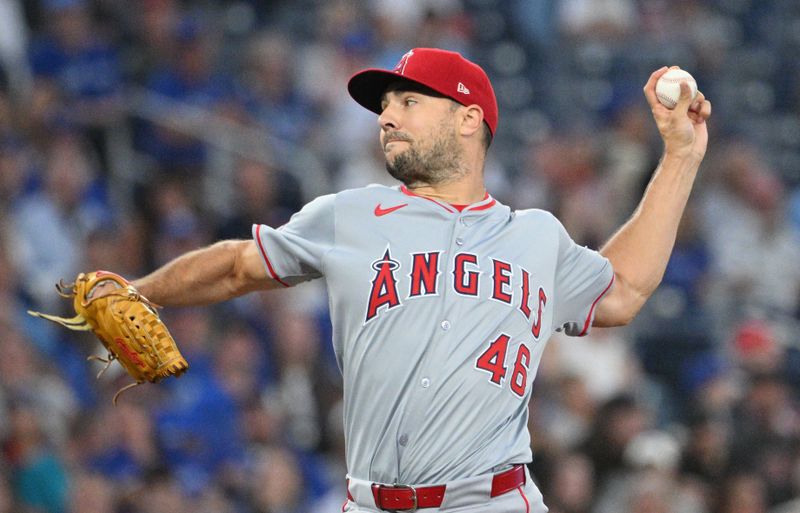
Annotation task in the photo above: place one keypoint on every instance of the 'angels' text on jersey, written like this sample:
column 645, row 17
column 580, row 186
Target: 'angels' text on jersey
column 467, row 271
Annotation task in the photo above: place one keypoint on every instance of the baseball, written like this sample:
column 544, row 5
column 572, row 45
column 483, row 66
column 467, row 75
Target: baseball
column 668, row 87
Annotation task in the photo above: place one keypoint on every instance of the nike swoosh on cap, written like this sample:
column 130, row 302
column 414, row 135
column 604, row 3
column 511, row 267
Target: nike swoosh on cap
column 383, row 211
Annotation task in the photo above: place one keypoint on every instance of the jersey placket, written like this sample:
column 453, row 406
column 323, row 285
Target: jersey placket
column 441, row 335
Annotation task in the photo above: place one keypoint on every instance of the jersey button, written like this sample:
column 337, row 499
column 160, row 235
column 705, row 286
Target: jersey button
column 460, row 241
column 425, row 382
column 445, row 325
column 403, row 440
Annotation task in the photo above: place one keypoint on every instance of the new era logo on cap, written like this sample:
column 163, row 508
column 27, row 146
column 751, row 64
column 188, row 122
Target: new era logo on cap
column 443, row 71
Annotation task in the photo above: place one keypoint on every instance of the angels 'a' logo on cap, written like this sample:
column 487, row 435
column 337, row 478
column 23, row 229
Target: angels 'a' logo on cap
column 462, row 88
column 401, row 65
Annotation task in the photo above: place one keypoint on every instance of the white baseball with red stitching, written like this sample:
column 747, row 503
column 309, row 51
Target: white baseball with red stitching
column 668, row 87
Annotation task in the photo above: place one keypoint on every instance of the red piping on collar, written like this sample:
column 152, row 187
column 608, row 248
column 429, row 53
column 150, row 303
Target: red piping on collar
column 450, row 208
column 405, row 190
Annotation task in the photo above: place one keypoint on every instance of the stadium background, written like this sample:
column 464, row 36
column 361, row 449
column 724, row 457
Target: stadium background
column 131, row 131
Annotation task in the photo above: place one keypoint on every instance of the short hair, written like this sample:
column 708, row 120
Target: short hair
column 487, row 136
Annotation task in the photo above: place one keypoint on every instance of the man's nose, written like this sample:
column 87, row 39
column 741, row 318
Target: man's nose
column 388, row 119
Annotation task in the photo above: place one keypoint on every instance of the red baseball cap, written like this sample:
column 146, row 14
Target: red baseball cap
column 447, row 73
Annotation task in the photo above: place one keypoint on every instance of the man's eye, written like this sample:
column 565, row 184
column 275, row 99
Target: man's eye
column 410, row 101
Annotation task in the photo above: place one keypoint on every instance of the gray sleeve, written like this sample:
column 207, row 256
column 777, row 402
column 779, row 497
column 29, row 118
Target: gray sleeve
column 294, row 253
column 583, row 276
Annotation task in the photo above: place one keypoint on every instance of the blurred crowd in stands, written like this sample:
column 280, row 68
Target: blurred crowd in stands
column 134, row 130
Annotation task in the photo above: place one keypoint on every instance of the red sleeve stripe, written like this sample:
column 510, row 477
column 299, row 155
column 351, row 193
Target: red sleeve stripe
column 266, row 258
column 591, row 310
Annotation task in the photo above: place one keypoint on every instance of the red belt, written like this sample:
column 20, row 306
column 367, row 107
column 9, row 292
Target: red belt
column 409, row 498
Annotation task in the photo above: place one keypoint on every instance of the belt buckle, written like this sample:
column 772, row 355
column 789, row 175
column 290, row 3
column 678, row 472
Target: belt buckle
column 413, row 508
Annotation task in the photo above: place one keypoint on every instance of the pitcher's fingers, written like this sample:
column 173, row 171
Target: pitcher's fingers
column 699, row 99
column 685, row 99
column 650, row 86
column 705, row 109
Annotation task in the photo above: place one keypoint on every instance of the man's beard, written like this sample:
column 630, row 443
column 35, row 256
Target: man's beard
column 436, row 165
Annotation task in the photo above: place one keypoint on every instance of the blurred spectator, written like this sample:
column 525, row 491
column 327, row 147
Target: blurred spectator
column 6, row 499
column 14, row 35
column 103, row 250
column 39, row 477
column 602, row 360
column 196, row 426
column 584, row 206
column 676, row 325
column 49, row 227
column 534, row 188
column 75, row 56
column 649, row 494
column 124, row 454
column 706, row 455
column 160, row 493
column 28, row 340
column 263, row 195
column 536, row 22
column 710, row 385
column 564, row 177
column 767, row 412
column 618, row 421
column 743, row 493
column 25, row 379
column 628, row 157
column 276, row 484
column 429, row 23
column 787, row 507
column 606, row 20
column 566, row 418
column 750, row 237
column 305, row 387
column 239, row 364
column 263, row 424
column 178, row 226
column 213, row 500
column 152, row 24
column 757, row 348
column 17, row 176
column 572, row 488
column 190, row 80
column 273, row 99
column 343, row 46
column 651, row 481
column 92, row 492
column 13, row 304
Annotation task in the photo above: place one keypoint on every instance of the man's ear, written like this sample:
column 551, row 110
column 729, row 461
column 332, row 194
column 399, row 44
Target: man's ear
column 471, row 119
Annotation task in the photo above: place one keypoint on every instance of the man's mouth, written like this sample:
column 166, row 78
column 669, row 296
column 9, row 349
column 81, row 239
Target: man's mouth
column 391, row 139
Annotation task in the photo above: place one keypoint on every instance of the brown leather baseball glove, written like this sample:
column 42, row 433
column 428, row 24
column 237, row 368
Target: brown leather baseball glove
column 126, row 323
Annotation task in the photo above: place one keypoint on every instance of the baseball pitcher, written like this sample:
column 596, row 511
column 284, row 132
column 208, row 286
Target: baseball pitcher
column 442, row 299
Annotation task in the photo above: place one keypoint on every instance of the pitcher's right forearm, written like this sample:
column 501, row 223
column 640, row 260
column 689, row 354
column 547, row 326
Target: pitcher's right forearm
column 216, row 273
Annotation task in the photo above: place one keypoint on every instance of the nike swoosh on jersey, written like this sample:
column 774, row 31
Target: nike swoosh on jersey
column 383, row 211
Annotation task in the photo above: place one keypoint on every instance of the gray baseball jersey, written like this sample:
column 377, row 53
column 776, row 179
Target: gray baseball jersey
column 440, row 318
